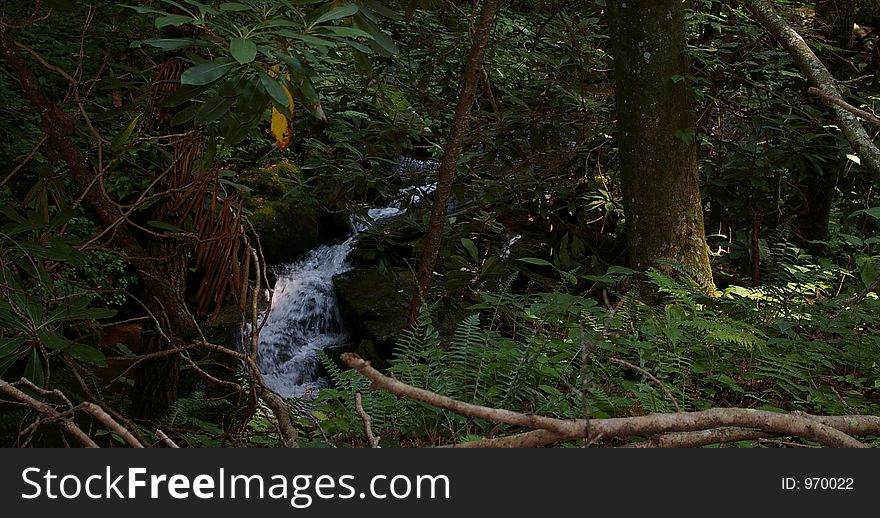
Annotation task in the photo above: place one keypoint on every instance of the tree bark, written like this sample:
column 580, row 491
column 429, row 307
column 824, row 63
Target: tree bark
column 657, row 146
column 451, row 153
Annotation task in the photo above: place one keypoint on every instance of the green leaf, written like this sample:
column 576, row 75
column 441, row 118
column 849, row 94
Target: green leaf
column 10, row 345
column 471, row 248
column 52, row 340
column 87, row 354
column 183, row 94
column 535, row 261
column 234, row 6
column 212, row 110
column 184, row 115
column 348, row 32
column 167, row 44
column 34, row 369
column 168, row 227
column 7, row 362
column 277, row 93
column 244, row 51
column 336, row 13
column 874, row 212
column 381, row 43
column 175, row 20
column 122, row 137
column 868, row 273
column 205, row 73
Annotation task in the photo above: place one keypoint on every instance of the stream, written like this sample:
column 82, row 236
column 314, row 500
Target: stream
column 304, row 318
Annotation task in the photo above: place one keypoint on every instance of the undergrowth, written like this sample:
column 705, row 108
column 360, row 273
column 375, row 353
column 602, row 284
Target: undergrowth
column 780, row 347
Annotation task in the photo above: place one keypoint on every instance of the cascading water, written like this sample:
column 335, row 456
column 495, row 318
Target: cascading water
column 304, row 318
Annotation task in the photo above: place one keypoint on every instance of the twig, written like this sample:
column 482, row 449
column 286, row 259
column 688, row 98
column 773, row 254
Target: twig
column 365, row 417
column 75, row 369
column 42, row 408
column 105, row 419
column 787, row 444
column 840, row 398
column 828, row 98
column 25, row 161
column 36, row 55
column 650, row 377
column 874, row 286
column 165, row 439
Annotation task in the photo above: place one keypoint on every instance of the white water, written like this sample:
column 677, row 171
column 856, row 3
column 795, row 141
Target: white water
column 304, row 318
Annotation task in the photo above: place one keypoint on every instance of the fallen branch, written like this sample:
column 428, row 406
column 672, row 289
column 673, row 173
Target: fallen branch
column 769, row 422
column 698, row 439
column 165, row 439
column 48, row 412
column 819, row 76
column 105, row 419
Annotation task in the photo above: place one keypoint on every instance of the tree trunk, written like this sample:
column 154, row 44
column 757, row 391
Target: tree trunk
column 657, row 146
column 157, row 379
column 451, row 153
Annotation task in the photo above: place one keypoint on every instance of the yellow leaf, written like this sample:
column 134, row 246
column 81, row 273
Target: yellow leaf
column 282, row 127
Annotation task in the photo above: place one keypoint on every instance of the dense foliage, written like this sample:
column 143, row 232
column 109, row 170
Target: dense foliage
column 311, row 104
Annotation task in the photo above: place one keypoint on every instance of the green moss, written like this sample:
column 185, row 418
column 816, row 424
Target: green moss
column 270, row 182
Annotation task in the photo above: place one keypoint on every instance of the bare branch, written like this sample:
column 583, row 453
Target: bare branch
column 105, row 419
column 819, row 76
column 165, row 439
column 828, row 98
column 365, row 417
column 769, row 422
column 50, row 413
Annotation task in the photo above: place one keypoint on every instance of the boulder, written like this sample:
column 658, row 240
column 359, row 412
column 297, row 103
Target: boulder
column 374, row 305
column 288, row 229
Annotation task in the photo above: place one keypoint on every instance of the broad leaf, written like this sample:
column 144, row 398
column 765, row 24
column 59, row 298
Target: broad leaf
column 336, row 13
column 205, row 73
column 87, row 354
column 244, row 51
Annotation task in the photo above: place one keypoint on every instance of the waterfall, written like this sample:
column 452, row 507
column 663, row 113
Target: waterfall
column 304, row 318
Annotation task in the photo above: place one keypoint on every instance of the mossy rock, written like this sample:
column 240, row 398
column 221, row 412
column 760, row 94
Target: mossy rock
column 269, row 181
column 288, row 229
column 374, row 305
